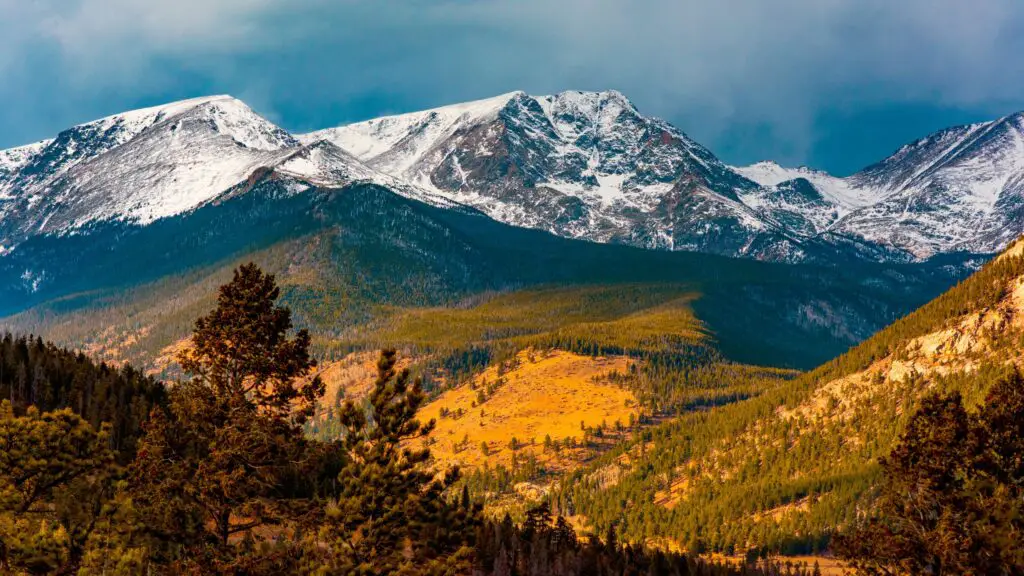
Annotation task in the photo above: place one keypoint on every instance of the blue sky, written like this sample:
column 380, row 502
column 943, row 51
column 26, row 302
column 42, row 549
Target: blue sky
column 834, row 84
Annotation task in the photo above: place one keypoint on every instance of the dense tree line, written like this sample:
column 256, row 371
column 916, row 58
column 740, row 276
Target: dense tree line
column 39, row 374
column 545, row 545
column 673, row 383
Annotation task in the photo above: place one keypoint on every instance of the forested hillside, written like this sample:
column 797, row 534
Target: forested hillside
column 222, row 480
column 718, row 457
column 784, row 471
column 37, row 373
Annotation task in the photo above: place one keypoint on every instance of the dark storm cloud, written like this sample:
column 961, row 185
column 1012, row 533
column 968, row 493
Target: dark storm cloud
column 828, row 82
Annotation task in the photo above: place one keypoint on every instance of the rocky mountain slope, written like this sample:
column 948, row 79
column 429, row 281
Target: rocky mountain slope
column 590, row 165
column 99, row 216
column 144, row 165
column 959, row 189
column 583, row 165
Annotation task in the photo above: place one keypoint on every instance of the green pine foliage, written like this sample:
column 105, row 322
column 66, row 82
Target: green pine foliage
column 741, row 478
column 390, row 514
column 228, row 458
column 546, row 545
column 35, row 373
column 951, row 499
column 54, row 471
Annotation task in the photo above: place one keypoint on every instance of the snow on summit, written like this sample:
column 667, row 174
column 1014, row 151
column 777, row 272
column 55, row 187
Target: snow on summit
column 396, row 142
column 156, row 162
column 846, row 195
column 136, row 166
column 950, row 191
column 579, row 164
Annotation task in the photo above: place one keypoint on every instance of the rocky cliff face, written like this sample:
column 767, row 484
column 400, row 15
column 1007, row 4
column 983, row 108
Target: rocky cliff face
column 584, row 165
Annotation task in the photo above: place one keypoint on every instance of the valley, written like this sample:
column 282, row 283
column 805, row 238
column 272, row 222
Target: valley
column 605, row 318
column 799, row 461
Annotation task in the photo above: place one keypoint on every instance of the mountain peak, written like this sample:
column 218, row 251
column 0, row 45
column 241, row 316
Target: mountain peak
column 590, row 95
column 767, row 172
column 161, row 111
column 590, row 103
column 473, row 108
column 770, row 173
column 136, row 166
column 617, row 97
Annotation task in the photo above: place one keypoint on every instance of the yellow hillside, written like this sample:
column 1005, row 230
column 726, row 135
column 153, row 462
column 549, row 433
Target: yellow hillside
column 627, row 317
column 352, row 376
column 544, row 394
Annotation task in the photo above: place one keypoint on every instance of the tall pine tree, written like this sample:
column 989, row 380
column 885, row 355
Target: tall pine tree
column 392, row 514
column 217, row 465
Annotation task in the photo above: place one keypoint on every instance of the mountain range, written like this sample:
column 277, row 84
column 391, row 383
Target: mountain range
column 561, row 268
column 110, row 222
column 585, row 165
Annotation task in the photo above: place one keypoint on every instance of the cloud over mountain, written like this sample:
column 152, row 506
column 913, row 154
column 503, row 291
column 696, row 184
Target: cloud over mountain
column 752, row 79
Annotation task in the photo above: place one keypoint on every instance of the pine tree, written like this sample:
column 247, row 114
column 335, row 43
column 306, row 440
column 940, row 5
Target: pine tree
column 951, row 499
column 392, row 515
column 53, row 466
column 219, row 462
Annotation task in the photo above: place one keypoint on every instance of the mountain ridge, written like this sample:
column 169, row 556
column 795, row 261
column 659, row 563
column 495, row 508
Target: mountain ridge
column 953, row 181
column 911, row 227
column 584, row 165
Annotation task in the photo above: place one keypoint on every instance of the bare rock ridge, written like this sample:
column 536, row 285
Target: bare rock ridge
column 584, row 165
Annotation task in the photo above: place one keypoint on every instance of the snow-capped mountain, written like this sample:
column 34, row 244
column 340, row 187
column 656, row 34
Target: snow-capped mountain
column 589, row 165
column 148, row 164
column 578, row 164
column 960, row 189
column 584, row 165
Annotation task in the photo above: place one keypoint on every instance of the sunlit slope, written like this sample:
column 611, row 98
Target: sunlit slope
column 616, row 317
column 539, row 406
column 785, row 469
